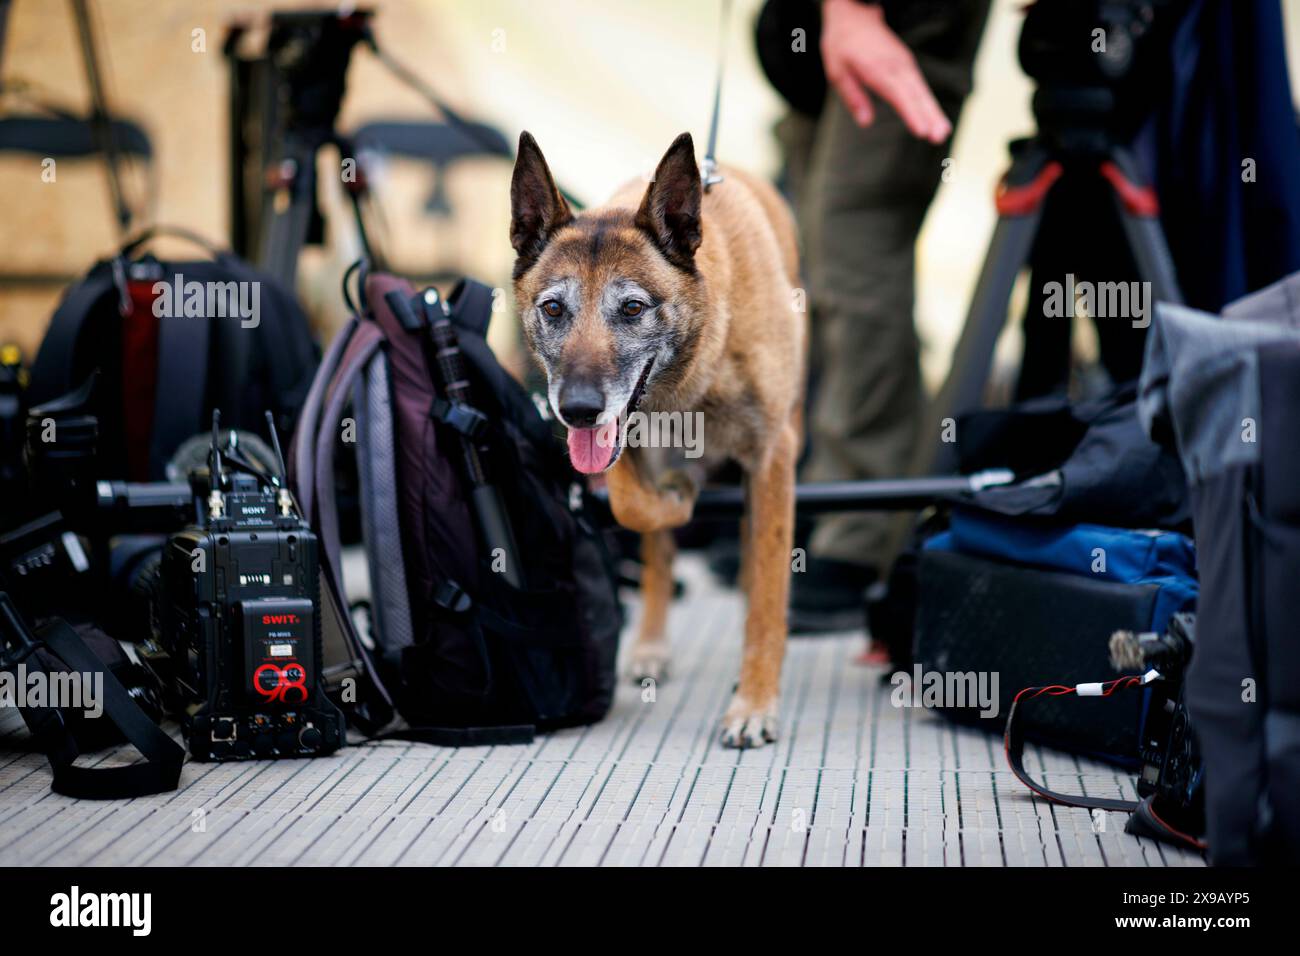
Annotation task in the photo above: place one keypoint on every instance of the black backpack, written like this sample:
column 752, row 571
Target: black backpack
column 160, row 378
column 463, row 654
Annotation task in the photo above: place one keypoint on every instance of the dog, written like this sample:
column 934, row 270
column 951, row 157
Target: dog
column 675, row 300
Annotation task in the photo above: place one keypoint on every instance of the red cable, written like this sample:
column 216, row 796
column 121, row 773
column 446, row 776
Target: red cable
column 1199, row 844
column 1060, row 690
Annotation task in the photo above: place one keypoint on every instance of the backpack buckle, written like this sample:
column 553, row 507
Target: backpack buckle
column 402, row 310
column 450, row 596
column 470, row 422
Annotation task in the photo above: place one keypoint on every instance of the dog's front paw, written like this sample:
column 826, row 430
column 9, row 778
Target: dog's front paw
column 648, row 660
column 745, row 725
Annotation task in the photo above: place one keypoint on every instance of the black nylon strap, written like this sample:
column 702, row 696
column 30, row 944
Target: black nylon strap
column 1014, row 741
column 464, row 736
column 161, row 770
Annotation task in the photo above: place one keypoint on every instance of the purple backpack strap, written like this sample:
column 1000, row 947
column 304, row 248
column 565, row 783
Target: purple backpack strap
column 313, row 455
column 301, row 451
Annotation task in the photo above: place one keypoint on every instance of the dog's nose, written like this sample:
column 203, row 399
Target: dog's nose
column 581, row 404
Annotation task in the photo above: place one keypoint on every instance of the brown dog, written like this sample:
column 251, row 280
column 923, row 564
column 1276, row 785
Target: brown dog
column 672, row 304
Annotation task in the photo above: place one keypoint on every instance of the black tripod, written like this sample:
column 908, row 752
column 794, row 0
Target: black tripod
column 284, row 104
column 290, row 216
column 1075, row 136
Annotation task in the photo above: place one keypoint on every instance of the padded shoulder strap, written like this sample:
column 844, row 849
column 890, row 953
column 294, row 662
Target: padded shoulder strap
column 52, row 371
column 377, row 469
column 184, row 347
column 361, row 347
column 470, row 304
column 302, row 453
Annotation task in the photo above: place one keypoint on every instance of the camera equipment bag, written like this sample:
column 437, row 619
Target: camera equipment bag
column 58, row 654
column 1037, row 604
column 470, row 644
column 1226, row 394
column 1015, row 586
column 171, row 342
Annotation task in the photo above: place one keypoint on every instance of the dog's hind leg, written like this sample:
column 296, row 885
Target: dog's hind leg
column 649, row 655
column 751, row 718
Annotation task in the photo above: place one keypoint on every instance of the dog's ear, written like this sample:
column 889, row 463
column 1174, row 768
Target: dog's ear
column 537, row 209
column 670, row 211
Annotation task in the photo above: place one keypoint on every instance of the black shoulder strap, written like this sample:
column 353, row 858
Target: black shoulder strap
column 184, row 346
column 1145, row 819
column 52, row 372
column 161, row 770
column 1014, row 741
column 470, row 304
column 463, row 736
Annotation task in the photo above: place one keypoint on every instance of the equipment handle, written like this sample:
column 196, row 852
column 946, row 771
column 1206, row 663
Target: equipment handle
column 149, row 233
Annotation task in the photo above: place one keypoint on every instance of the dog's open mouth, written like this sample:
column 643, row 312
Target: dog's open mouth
column 593, row 450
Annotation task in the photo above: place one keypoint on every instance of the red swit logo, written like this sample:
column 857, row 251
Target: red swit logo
column 280, row 619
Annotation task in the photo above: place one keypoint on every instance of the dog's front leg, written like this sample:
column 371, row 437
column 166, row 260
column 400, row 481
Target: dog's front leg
column 751, row 719
column 654, row 510
column 639, row 505
column 649, row 655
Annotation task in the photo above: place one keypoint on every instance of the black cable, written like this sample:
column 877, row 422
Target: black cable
column 347, row 296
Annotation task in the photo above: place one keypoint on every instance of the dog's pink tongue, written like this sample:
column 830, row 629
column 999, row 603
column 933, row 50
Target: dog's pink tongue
column 592, row 449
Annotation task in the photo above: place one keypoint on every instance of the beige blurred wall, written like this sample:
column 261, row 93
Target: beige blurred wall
column 604, row 87
column 173, row 81
column 603, row 84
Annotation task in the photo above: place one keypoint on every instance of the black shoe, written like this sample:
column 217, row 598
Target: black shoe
column 723, row 556
column 829, row 595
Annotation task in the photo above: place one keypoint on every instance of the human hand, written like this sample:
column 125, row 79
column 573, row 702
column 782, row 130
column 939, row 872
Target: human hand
column 860, row 52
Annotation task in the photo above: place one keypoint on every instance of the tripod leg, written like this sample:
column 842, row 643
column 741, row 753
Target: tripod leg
column 1020, row 205
column 285, row 227
column 1139, row 213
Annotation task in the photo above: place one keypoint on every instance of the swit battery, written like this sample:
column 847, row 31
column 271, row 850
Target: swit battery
column 278, row 650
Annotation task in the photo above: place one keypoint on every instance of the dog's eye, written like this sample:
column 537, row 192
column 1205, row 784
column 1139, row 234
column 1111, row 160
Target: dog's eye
column 552, row 308
column 633, row 307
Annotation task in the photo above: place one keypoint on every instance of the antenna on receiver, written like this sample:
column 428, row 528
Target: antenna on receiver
column 283, row 476
column 283, row 497
column 216, row 501
column 214, row 450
